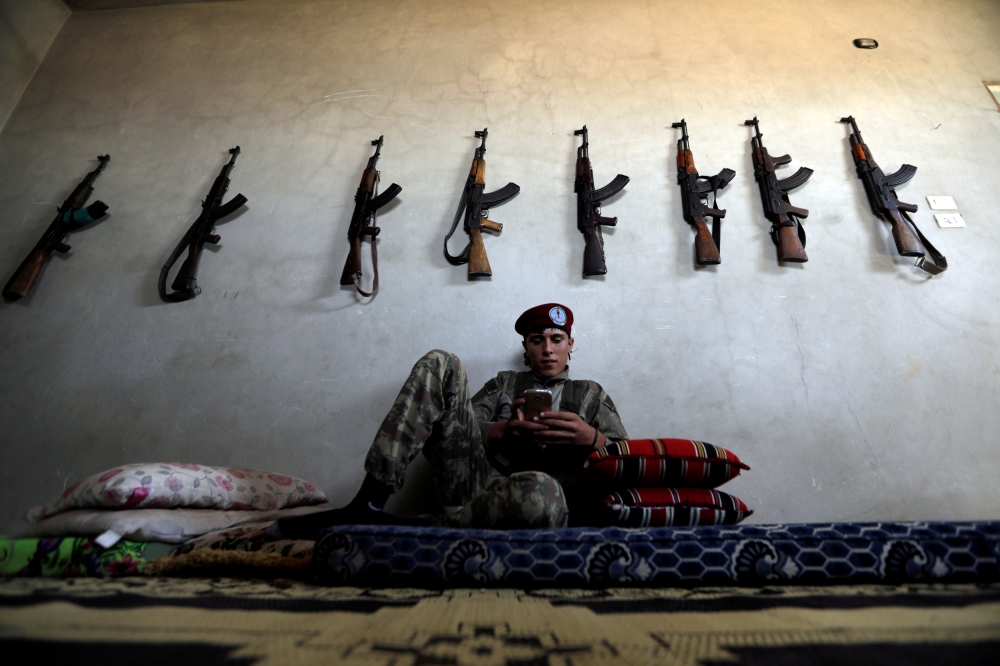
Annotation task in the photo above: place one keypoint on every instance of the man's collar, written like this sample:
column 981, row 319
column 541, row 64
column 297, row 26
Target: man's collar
column 551, row 381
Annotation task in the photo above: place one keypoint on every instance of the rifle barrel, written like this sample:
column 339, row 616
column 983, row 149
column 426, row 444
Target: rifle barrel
column 854, row 127
column 682, row 143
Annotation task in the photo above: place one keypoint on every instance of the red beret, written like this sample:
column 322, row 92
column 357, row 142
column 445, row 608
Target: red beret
column 549, row 315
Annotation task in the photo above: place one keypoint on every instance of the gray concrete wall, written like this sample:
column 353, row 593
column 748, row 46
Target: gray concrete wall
column 856, row 388
column 27, row 29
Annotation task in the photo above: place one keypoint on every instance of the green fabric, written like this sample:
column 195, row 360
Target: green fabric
column 78, row 217
column 71, row 556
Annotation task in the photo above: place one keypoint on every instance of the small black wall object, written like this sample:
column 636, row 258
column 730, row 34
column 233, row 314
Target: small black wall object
column 866, row 43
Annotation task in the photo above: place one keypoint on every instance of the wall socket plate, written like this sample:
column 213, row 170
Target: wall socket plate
column 949, row 220
column 941, row 203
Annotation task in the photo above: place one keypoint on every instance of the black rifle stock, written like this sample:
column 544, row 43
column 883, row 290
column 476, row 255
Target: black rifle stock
column 185, row 284
column 786, row 227
column 367, row 201
column 881, row 191
column 588, row 207
column 694, row 189
column 477, row 207
column 69, row 216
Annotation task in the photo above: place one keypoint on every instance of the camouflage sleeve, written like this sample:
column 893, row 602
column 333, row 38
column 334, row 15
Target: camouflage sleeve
column 489, row 405
column 606, row 418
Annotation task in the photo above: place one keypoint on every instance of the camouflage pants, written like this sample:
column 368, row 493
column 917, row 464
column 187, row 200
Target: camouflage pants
column 433, row 413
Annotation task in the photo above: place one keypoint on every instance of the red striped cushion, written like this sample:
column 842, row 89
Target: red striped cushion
column 666, row 507
column 662, row 462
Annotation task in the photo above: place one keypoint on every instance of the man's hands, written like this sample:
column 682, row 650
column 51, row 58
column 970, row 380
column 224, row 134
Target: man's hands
column 567, row 428
column 516, row 428
column 559, row 428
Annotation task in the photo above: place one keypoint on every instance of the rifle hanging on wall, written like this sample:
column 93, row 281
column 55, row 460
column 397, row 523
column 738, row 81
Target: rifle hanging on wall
column 588, row 208
column 185, row 285
column 367, row 201
column 786, row 219
column 694, row 189
column 477, row 206
column 69, row 216
column 881, row 191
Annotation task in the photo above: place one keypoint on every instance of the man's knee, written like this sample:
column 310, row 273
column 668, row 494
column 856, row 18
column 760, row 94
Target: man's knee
column 537, row 500
column 439, row 357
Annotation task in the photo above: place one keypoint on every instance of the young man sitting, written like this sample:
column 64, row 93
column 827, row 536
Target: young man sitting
column 493, row 469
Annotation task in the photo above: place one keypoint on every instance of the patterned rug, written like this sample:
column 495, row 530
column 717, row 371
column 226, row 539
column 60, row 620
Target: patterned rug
column 227, row 621
column 803, row 554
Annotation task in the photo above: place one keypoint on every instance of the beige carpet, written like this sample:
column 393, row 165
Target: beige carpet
column 226, row 621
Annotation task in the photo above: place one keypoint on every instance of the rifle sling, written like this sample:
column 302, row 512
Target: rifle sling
column 716, row 221
column 463, row 256
column 357, row 275
column 938, row 263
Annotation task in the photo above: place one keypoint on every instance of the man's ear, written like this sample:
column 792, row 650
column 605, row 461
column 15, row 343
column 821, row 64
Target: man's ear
column 524, row 343
column 571, row 342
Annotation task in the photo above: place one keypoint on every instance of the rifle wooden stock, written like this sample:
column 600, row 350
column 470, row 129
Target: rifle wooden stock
column 24, row 279
column 790, row 246
column 705, row 250
column 352, row 267
column 906, row 241
column 593, row 254
column 479, row 263
column 186, row 276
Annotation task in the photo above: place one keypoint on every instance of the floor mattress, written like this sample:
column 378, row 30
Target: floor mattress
column 432, row 557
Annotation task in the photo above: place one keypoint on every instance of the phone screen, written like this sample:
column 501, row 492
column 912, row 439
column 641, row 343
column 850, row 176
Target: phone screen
column 536, row 401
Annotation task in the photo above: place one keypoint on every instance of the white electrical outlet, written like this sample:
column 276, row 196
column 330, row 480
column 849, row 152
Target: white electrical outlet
column 949, row 220
column 941, row 203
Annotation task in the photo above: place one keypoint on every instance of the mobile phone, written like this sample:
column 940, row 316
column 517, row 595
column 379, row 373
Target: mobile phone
column 536, row 401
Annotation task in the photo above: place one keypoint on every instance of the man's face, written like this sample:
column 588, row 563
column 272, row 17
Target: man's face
column 548, row 351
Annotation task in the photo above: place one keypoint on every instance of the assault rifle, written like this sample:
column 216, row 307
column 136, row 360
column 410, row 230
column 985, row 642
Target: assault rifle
column 367, row 201
column 693, row 191
column 70, row 215
column 476, row 212
column 588, row 208
column 185, row 285
column 786, row 227
column 881, row 191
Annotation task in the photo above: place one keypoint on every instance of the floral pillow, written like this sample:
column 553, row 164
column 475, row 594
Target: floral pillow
column 170, row 485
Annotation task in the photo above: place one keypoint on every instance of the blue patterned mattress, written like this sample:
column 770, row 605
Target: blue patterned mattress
column 366, row 555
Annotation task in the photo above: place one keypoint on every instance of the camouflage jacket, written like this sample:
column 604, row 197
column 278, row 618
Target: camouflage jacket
column 583, row 397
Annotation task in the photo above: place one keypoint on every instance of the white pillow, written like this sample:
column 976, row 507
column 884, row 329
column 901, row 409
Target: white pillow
column 168, row 485
column 163, row 525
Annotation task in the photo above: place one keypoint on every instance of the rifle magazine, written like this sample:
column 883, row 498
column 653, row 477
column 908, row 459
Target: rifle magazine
column 797, row 179
column 611, row 189
column 388, row 195
column 504, row 194
column 229, row 208
column 902, row 175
